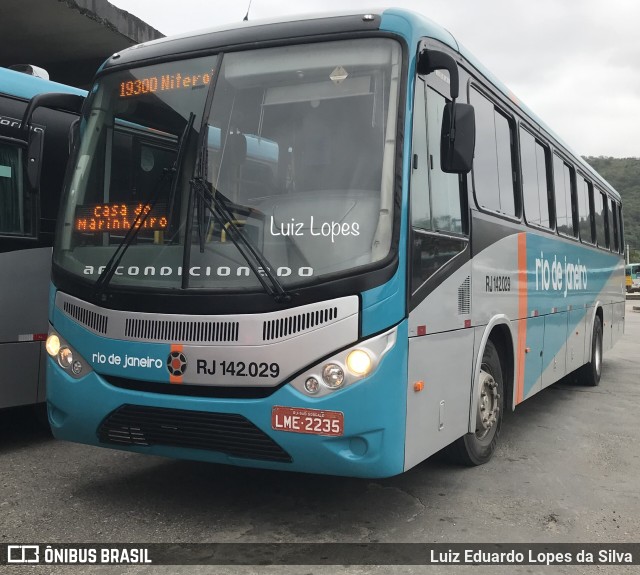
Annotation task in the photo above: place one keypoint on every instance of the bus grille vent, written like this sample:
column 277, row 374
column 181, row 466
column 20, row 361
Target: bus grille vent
column 95, row 321
column 464, row 297
column 285, row 326
column 228, row 433
column 126, row 435
column 187, row 331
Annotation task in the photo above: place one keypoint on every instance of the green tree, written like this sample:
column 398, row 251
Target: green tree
column 624, row 175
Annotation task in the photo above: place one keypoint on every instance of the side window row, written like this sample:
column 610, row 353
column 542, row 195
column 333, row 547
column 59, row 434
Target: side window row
column 16, row 206
column 580, row 210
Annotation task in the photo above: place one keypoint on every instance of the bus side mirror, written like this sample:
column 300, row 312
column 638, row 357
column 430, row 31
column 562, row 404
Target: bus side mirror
column 458, row 138
column 63, row 102
column 458, row 135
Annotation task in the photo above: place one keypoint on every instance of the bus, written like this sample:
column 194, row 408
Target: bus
column 632, row 272
column 28, row 208
column 333, row 245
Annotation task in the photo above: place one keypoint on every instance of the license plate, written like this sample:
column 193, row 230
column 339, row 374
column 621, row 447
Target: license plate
column 303, row 420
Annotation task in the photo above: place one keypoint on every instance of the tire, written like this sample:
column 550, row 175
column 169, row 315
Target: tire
column 591, row 371
column 477, row 448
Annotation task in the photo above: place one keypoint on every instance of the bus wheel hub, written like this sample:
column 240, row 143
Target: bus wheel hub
column 487, row 414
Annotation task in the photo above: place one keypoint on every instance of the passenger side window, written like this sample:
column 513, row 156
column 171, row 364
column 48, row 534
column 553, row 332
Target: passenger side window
column 493, row 175
column 613, row 211
column 608, row 230
column 599, row 218
column 16, row 215
column 584, row 210
column 563, row 179
column 533, row 158
column 621, row 228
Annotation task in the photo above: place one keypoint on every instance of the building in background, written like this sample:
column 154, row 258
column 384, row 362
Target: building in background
column 68, row 38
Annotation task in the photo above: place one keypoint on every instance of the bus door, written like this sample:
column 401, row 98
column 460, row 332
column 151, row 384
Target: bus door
column 439, row 240
column 440, row 348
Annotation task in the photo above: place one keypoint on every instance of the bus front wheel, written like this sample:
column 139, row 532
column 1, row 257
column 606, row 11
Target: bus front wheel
column 591, row 371
column 477, row 448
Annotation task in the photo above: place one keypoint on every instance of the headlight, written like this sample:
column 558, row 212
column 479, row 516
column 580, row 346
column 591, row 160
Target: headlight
column 53, row 345
column 359, row 362
column 65, row 357
column 346, row 367
column 333, row 375
column 76, row 367
column 312, row 385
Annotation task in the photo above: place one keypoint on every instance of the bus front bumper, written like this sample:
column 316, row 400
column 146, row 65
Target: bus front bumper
column 90, row 410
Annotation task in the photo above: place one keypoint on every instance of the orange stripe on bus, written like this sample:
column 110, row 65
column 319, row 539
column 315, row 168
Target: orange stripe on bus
column 175, row 378
column 522, row 314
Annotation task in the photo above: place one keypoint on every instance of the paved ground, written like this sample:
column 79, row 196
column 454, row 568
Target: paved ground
column 567, row 469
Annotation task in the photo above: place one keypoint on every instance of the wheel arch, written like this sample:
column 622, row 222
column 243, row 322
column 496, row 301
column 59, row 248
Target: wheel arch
column 597, row 311
column 498, row 330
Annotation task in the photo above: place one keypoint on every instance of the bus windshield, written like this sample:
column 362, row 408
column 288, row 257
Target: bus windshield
column 298, row 145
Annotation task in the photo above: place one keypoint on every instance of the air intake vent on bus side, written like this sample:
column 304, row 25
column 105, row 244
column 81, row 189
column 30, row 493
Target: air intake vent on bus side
column 91, row 319
column 186, row 331
column 285, row 326
column 464, row 297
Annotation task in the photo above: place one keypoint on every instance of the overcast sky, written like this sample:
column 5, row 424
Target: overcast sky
column 576, row 63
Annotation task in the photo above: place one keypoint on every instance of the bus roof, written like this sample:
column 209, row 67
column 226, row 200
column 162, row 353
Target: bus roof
column 411, row 25
column 20, row 85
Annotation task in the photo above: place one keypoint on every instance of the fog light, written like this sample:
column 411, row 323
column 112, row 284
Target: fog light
column 76, row 367
column 65, row 357
column 359, row 362
column 312, row 385
column 53, row 345
column 333, row 375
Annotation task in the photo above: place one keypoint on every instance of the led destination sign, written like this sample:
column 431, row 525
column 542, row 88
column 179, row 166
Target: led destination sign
column 116, row 217
column 163, row 83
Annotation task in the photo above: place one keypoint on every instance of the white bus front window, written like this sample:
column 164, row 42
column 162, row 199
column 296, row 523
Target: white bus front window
column 299, row 146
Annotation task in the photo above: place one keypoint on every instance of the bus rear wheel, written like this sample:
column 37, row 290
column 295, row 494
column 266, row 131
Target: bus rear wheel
column 591, row 371
column 478, row 447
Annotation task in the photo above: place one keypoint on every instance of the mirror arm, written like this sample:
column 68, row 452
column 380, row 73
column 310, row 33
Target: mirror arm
column 56, row 101
column 432, row 60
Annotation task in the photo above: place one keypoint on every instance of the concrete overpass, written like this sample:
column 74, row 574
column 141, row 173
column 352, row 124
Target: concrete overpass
column 69, row 38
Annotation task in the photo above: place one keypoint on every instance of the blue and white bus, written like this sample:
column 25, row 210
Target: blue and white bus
column 273, row 251
column 29, row 201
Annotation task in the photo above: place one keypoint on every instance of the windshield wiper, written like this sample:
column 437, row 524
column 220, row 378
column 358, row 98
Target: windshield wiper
column 256, row 260
column 114, row 261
